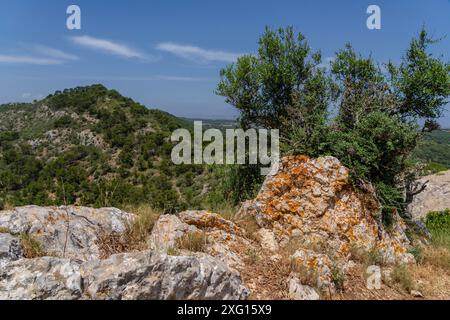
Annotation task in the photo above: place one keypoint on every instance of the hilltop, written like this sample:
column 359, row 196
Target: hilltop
column 91, row 146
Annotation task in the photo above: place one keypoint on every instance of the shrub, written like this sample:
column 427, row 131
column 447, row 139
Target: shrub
column 401, row 275
column 193, row 241
column 438, row 223
column 31, row 247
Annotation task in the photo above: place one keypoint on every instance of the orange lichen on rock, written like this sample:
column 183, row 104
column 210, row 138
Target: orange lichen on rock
column 313, row 200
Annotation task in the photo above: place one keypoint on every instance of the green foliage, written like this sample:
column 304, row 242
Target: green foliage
column 434, row 150
column 438, row 223
column 128, row 162
column 283, row 79
column 376, row 127
column 421, row 82
column 233, row 184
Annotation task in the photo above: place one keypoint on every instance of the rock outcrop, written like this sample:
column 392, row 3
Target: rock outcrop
column 436, row 196
column 313, row 202
column 77, row 272
column 297, row 236
column 69, row 232
column 127, row 276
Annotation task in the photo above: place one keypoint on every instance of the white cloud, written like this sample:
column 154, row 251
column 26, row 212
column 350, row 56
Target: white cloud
column 28, row 60
column 197, row 53
column 55, row 53
column 108, row 46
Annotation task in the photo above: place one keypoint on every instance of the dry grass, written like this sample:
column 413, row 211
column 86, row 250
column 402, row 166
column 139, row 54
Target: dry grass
column 193, row 241
column 366, row 258
column 402, row 275
column 4, row 230
column 135, row 236
column 31, row 248
column 8, row 206
column 438, row 257
column 248, row 223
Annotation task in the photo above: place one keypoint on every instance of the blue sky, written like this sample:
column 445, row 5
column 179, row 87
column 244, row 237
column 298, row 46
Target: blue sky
column 167, row 54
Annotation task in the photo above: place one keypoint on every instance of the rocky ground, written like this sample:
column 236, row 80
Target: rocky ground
column 308, row 235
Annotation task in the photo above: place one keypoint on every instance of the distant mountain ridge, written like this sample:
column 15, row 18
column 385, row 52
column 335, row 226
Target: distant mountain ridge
column 92, row 146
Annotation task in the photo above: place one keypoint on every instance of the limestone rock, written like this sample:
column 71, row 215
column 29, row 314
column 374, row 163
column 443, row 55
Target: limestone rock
column 139, row 275
column 10, row 248
column 435, row 197
column 52, row 226
column 313, row 200
column 207, row 220
column 225, row 240
column 267, row 239
column 316, row 265
column 166, row 231
column 149, row 276
column 297, row 291
column 41, row 279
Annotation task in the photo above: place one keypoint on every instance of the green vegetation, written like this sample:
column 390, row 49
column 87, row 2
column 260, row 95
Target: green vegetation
column 434, row 150
column 91, row 146
column 376, row 125
column 438, row 223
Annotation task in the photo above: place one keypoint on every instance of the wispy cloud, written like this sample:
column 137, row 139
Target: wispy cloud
column 174, row 78
column 110, row 47
column 54, row 53
column 197, row 53
column 14, row 59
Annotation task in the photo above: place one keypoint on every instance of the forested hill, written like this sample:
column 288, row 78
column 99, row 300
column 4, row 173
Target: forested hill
column 92, row 146
column 434, row 149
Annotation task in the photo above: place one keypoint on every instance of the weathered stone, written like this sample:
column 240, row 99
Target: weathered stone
column 10, row 248
column 167, row 230
column 69, row 232
column 140, row 275
column 267, row 239
column 317, row 265
column 297, row 291
column 41, row 279
column 207, row 220
column 436, row 196
column 416, row 294
column 146, row 275
column 313, row 200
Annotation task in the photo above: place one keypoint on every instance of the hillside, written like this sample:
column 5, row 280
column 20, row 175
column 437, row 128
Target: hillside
column 91, row 146
column 434, row 149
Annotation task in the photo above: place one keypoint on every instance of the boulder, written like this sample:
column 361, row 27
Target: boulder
column 46, row 278
column 297, row 291
column 436, row 196
column 166, row 231
column 150, row 276
column 224, row 239
column 10, row 248
column 139, row 275
column 313, row 201
column 67, row 232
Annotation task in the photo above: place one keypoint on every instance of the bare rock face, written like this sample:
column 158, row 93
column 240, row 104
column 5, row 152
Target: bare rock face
column 223, row 238
column 10, row 248
column 166, row 231
column 78, row 272
column 436, row 196
column 153, row 276
column 67, row 232
column 313, row 202
column 297, row 291
column 139, row 275
column 41, row 279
